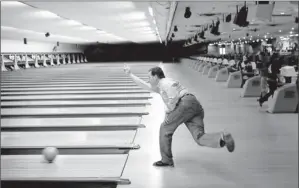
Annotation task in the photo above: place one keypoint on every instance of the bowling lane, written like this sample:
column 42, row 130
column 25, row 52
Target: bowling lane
column 75, row 168
column 65, row 82
column 71, row 92
column 68, row 74
column 69, row 88
column 45, row 85
column 76, row 111
column 88, row 110
column 68, row 142
column 77, row 103
column 65, row 79
column 77, row 97
column 71, row 124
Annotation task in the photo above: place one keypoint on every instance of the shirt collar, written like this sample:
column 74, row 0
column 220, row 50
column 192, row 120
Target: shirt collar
column 160, row 82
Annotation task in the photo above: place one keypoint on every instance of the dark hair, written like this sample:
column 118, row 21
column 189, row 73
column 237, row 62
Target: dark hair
column 157, row 71
column 275, row 55
column 250, row 58
column 257, row 58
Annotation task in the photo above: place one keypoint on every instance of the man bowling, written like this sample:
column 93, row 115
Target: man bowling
column 181, row 107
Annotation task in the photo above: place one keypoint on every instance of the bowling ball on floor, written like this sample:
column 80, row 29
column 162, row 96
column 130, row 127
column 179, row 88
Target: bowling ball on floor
column 50, row 154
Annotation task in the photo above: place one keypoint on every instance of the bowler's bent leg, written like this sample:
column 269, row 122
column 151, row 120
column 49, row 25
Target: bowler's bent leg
column 213, row 140
column 196, row 128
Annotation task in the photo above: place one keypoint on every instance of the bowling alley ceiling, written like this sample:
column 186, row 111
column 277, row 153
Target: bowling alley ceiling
column 138, row 21
column 85, row 22
column 262, row 22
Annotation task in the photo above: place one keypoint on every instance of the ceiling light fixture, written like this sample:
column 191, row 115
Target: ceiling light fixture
column 137, row 24
column 12, row 3
column 88, row 28
column 119, row 5
column 45, row 14
column 72, row 22
column 21, row 30
column 147, row 32
column 150, row 9
column 132, row 16
column 7, row 28
column 47, row 34
column 101, row 32
column 142, row 29
column 69, row 38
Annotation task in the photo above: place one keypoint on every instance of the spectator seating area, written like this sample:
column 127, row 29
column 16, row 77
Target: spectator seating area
column 238, row 75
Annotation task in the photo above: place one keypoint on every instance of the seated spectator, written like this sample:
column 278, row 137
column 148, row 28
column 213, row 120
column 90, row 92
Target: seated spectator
column 233, row 66
column 272, row 78
column 247, row 69
column 263, row 71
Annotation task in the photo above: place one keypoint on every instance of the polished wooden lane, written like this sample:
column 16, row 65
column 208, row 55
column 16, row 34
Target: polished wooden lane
column 77, row 97
column 67, row 85
column 54, row 74
column 68, row 142
column 70, row 88
column 76, row 79
column 75, row 111
column 12, row 83
column 72, row 92
column 82, row 110
column 76, row 103
column 66, row 168
column 71, row 124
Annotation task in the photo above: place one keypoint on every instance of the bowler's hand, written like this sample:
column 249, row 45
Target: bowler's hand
column 127, row 69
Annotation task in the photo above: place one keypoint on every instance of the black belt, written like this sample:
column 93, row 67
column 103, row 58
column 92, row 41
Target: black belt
column 186, row 94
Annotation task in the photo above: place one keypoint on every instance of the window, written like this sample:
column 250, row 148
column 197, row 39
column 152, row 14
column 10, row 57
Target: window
column 222, row 51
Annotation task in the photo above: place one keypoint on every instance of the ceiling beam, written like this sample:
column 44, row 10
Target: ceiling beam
column 172, row 10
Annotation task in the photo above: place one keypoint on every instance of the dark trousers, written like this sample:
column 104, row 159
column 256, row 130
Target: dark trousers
column 288, row 79
column 248, row 74
column 190, row 112
column 272, row 87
